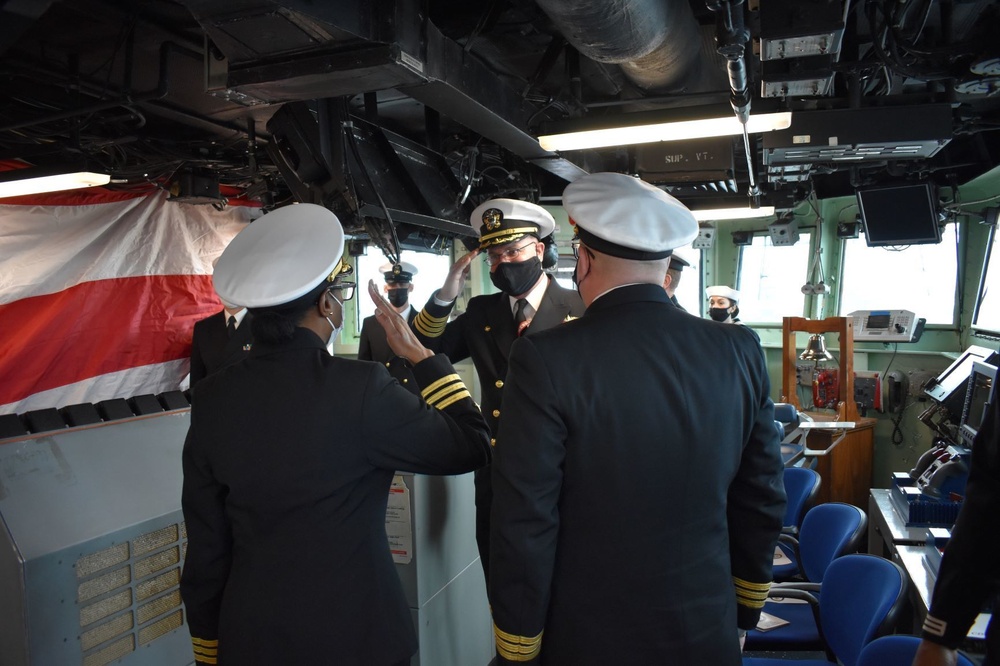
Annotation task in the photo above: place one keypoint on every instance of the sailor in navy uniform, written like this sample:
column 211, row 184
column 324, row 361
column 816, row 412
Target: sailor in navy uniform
column 637, row 474
column 510, row 234
column 372, row 345
column 723, row 304
column 289, row 459
column 673, row 278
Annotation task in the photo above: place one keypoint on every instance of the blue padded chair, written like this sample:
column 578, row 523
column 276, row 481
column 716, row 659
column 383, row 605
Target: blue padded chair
column 829, row 531
column 896, row 651
column 860, row 600
column 801, row 487
column 835, row 530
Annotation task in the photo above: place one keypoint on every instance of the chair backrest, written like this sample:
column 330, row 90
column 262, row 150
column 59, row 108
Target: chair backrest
column 861, row 600
column 801, row 486
column 828, row 531
column 895, row 651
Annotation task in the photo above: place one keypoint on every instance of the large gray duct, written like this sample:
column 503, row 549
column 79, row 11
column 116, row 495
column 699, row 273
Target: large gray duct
column 657, row 43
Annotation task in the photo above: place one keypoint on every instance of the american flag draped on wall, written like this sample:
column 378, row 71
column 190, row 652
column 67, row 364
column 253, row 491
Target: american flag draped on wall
column 99, row 292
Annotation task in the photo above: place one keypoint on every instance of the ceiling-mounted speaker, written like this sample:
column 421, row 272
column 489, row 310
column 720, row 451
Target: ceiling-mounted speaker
column 741, row 238
column 847, row 230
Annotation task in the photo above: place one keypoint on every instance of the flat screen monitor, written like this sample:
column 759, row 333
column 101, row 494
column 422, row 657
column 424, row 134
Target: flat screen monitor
column 900, row 214
column 950, row 386
column 978, row 398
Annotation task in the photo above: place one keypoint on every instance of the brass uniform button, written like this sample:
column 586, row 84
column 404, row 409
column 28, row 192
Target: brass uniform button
column 487, row 329
column 496, row 413
column 387, row 364
column 499, row 383
column 405, row 380
column 493, row 442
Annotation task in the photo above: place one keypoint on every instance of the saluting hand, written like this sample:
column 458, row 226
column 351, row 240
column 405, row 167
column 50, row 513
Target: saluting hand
column 457, row 276
column 400, row 337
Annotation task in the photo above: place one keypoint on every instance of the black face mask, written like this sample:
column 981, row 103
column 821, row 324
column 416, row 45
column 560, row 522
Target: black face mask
column 719, row 314
column 516, row 279
column 398, row 297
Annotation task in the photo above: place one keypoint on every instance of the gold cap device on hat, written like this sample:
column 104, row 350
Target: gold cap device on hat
column 502, row 221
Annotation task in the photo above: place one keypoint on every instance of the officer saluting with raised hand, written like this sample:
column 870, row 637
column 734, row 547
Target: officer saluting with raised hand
column 637, row 474
column 510, row 235
column 289, row 459
column 372, row 345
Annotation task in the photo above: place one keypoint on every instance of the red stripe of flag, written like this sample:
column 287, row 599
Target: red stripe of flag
column 98, row 327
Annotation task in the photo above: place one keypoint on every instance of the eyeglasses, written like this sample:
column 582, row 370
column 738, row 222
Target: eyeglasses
column 510, row 254
column 346, row 289
column 575, row 244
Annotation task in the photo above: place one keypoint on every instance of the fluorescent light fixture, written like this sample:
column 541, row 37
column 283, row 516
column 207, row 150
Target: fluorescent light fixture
column 652, row 132
column 732, row 213
column 22, row 184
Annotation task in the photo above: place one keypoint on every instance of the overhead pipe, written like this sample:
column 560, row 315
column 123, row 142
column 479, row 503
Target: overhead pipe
column 656, row 43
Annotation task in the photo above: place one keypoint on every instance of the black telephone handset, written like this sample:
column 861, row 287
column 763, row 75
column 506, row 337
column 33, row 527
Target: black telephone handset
column 895, row 392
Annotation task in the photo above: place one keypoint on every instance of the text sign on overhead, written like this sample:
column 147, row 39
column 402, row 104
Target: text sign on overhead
column 884, row 325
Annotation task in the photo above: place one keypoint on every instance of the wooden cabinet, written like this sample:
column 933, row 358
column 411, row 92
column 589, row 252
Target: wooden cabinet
column 846, row 469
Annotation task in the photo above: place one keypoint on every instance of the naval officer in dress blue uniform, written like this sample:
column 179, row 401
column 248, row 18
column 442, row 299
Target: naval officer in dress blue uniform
column 289, row 459
column 372, row 345
column 637, row 474
column 673, row 278
column 510, row 235
column 219, row 340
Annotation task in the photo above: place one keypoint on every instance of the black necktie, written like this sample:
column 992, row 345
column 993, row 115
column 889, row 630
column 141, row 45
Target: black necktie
column 520, row 316
column 231, row 326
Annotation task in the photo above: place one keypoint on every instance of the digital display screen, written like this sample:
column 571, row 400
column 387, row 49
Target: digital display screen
column 904, row 214
column 878, row 321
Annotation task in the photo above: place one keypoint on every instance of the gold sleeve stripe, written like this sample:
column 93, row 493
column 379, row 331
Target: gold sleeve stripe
column 447, row 379
column 430, row 326
column 214, row 643
column 199, row 659
column 444, row 393
column 517, row 648
column 453, row 399
column 508, row 232
column 751, row 595
column 207, row 651
column 935, row 626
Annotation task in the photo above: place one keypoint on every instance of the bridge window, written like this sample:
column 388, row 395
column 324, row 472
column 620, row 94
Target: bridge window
column 771, row 279
column 432, row 269
column 987, row 315
column 918, row 278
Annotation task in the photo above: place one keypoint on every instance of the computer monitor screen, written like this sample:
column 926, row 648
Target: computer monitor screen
column 978, row 398
column 899, row 215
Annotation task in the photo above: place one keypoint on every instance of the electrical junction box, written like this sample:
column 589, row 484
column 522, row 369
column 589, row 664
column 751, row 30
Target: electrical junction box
column 705, row 239
column 804, row 373
column 868, row 389
column 784, row 232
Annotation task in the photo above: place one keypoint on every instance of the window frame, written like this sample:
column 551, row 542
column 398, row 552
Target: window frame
column 811, row 235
